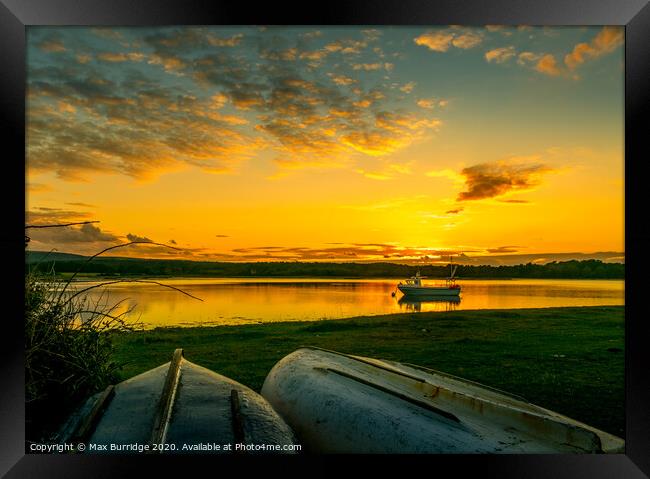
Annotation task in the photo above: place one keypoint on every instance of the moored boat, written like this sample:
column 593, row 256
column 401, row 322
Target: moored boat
column 178, row 407
column 413, row 287
column 340, row 403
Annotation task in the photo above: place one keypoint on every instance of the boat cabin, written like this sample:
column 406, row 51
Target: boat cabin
column 414, row 280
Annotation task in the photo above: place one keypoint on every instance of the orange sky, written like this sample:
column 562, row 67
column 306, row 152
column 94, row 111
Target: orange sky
column 346, row 144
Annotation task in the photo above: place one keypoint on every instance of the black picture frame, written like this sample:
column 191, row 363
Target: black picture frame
column 15, row 15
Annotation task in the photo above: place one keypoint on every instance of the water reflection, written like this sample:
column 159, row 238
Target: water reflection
column 428, row 303
column 257, row 300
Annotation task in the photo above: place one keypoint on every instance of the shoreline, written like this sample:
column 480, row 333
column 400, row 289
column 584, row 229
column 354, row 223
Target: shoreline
column 567, row 359
column 368, row 317
column 80, row 278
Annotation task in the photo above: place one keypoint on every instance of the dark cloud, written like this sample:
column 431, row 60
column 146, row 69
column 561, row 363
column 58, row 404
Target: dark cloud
column 222, row 236
column 455, row 211
column 148, row 105
column 539, row 258
column 362, row 251
column 155, row 251
column 84, row 205
column 172, row 241
column 514, row 201
column 138, row 250
column 487, row 180
column 87, row 233
column 49, row 216
column 503, row 249
column 37, row 187
column 82, row 120
column 132, row 237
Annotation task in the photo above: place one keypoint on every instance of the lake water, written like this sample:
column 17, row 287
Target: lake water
column 245, row 301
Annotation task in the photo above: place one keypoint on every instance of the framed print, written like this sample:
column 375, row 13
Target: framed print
column 398, row 232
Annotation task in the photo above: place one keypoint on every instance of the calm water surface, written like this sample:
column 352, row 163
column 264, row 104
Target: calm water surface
column 245, row 301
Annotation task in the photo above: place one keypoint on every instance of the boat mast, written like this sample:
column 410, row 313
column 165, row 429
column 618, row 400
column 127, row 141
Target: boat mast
column 450, row 280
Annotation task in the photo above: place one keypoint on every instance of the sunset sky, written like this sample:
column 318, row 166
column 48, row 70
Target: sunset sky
column 503, row 144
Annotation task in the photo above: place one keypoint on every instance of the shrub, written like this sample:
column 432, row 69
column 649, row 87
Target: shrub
column 67, row 350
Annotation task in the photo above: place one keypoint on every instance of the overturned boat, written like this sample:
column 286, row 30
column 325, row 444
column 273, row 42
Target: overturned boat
column 178, row 407
column 340, row 403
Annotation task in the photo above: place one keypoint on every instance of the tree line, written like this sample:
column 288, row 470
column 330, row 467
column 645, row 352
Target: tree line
column 111, row 266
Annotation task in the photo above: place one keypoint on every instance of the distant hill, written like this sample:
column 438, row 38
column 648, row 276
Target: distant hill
column 116, row 266
column 38, row 256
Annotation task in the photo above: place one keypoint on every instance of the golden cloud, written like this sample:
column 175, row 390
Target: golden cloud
column 169, row 63
column 342, row 79
column 428, row 104
column 608, row 39
column 436, row 41
column 391, row 132
column 398, row 123
column 365, row 103
column 225, row 42
column 346, row 46
column 315, row 55
column 108, row 117
column 467, row 40
column 136, row 136
column 547, row 65
column 441, row 41
column 525, row 58
column 367, row 66
column 408, row 87
column 500, row 55
column 121, row 57
column 289, row 54
column 373, row 143
column 218, row 101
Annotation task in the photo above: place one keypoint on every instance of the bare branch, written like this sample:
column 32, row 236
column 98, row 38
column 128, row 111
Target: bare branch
column 105, row 283
column 130, row 243
column 58, row 226
column 119, row 319
column 108, row 249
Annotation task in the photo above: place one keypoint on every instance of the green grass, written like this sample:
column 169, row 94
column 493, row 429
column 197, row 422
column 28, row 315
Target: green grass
column 570, row 360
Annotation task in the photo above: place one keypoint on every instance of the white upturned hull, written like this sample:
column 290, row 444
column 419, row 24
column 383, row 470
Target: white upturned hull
column 336, row 403
column 192, row 407
column 428, row 290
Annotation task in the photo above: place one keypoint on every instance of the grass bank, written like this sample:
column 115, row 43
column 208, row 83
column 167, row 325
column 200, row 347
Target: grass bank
column 570, row 360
